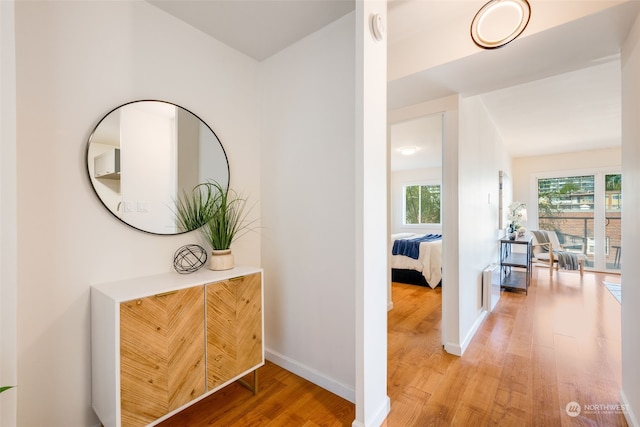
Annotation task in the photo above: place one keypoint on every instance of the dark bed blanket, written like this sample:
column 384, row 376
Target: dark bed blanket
column 411, row 247
column 410, row 277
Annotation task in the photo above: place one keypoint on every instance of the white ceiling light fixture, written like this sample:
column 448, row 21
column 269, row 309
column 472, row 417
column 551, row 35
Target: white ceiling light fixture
column 500, row 21
column 409, row 150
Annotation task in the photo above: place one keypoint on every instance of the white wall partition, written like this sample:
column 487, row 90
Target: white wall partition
column 324, row 211
column 308, row 210
column 482, row 155
column 631, row 236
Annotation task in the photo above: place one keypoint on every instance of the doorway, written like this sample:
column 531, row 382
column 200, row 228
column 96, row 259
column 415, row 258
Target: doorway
column 425, row 126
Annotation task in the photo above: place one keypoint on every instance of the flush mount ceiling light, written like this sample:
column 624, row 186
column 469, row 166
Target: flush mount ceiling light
column 500, row 21
column 408, row 150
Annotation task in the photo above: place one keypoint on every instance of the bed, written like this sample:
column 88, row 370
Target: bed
column 417, row 259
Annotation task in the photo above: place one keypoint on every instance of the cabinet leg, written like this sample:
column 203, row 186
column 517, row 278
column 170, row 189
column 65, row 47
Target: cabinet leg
column 253, row 387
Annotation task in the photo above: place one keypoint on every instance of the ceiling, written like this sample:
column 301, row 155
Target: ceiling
column 584, row 113
column 424, row 133
column 258, row 28
column 575, row 64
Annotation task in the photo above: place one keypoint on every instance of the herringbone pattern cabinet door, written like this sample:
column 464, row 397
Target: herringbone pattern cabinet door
column 234, row 327
column 162, row 354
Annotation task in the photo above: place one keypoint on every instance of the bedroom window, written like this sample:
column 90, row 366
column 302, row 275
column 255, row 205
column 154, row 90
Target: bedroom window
column 422, row 204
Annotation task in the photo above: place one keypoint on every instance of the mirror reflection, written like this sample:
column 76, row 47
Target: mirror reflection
column 144, row 154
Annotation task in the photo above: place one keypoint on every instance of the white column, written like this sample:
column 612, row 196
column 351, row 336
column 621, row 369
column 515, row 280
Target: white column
column 372, row 402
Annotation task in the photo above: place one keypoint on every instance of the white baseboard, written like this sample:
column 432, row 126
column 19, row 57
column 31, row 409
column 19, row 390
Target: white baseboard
column 458, row 349
column 453, row 348
column 311, row 374
column 474, row 329
column 379, row 417
column 629, row 415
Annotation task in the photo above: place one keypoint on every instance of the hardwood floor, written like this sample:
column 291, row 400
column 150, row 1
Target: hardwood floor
column 283, row 399
column 531, row 357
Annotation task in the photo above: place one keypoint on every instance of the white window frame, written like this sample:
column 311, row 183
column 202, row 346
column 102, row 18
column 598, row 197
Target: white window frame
column 601, row 250
column 404, row 203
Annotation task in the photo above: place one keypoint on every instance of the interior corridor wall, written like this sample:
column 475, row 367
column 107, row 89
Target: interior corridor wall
column 308, row 211
column 482, row 155
column 75, row 62
column 631, row 237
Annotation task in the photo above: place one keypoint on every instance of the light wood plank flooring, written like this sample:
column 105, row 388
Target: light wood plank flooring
column 532, row 356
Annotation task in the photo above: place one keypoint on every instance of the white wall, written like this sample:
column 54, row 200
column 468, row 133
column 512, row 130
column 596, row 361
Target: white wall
column 308, row 215
column 405, row 177
column 308, row 212
column 524, row 168
column 8, row 215
column 631, row 237
column 481, row 156
column 75, row 62
column 319, row 247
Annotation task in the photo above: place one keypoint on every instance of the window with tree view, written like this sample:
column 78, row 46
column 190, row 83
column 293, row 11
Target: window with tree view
column 422, row 204
column 571, row 205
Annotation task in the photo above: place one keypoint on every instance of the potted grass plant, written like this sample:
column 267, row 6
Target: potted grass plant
column 192, row 208
column 221, row 216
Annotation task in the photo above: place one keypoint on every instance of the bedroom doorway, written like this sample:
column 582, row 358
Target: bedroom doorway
column 416, row 211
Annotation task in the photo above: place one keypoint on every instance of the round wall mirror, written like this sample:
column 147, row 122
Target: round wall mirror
column 144, row 155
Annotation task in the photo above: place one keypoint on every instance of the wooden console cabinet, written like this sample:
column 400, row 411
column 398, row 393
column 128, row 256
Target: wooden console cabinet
column 160, row 343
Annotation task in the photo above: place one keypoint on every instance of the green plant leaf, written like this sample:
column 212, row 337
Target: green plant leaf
column 220, row 214
column 192, row 209
column 5, row 388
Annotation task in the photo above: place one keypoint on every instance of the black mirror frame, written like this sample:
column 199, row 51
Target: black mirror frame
column 86, row 157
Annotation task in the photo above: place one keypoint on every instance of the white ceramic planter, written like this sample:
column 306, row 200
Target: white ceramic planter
column 221, row 260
